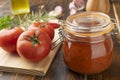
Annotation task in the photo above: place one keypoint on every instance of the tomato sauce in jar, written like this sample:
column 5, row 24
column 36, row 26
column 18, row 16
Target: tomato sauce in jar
column 87, row 46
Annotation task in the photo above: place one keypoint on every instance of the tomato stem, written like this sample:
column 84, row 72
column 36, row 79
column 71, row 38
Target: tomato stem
column 42, row 25
column 34, row 39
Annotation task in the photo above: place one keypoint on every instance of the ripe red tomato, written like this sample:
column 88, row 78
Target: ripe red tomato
column 8, row 39
column 34, row 45
column 44, row 26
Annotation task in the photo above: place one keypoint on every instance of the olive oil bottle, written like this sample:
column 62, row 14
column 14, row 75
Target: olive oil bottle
column 19, row 6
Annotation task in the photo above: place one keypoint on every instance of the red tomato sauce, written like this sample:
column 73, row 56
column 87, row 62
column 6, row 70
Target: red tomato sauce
column 88, row 57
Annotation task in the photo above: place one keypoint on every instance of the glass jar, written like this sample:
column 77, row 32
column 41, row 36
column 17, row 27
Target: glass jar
column 87, row 45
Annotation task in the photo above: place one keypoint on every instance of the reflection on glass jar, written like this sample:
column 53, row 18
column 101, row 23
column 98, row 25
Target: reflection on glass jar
column 19, row 6
column 88, row 47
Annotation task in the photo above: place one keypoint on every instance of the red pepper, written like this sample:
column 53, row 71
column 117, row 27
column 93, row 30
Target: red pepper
column 54, row 25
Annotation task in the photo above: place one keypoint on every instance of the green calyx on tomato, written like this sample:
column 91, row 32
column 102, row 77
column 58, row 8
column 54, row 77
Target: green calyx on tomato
column 42, row 25
column 34, row 39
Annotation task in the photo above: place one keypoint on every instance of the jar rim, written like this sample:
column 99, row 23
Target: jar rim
column 103, row 27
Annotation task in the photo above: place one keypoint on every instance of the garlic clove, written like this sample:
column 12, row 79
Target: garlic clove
column 72, row 11
column 57, row 12
column 72, row 6
column 58, row 9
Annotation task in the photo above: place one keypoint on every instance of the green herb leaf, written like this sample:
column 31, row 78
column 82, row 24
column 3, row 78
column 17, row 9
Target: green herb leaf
column 8, row 22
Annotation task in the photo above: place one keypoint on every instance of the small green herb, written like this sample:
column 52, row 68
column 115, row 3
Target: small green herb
column 8, row 22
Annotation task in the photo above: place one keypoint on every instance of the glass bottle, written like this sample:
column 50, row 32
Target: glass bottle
column 19, row 6
column 98, row 5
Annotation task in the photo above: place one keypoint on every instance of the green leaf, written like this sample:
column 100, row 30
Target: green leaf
column 8, row 22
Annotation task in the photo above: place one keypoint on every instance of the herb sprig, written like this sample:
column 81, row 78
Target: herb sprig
column 8, row 22
column 28, row 19
column 25, row 21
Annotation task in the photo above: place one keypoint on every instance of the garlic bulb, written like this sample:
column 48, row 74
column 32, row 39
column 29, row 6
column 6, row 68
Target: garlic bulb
column 57, row 12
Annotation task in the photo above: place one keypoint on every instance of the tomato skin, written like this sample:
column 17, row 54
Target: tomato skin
column 8, row 39
column 36, row 52
column 44, row 26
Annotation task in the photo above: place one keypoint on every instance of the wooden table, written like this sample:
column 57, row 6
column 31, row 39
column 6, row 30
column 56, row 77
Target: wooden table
column 58, row 69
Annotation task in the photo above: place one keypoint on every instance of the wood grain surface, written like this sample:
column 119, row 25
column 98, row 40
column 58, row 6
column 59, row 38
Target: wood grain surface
column 58, row 70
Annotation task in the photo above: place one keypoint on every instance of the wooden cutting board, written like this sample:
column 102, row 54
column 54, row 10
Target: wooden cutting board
column 14, row 63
